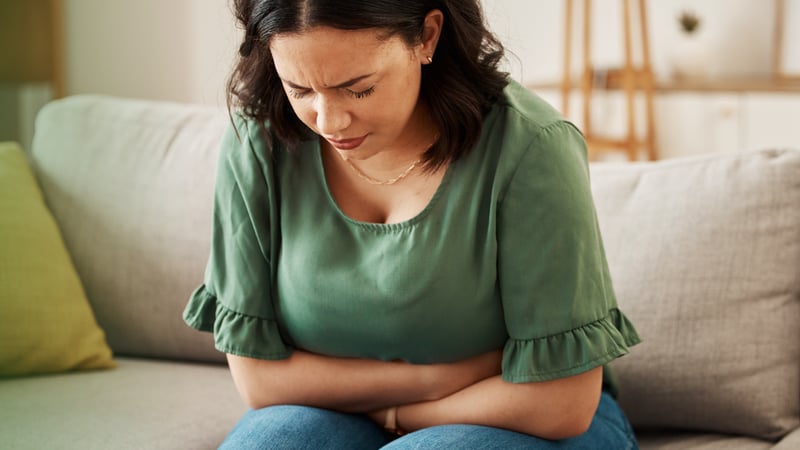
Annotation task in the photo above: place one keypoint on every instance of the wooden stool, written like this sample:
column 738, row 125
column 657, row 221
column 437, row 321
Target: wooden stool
column 630, row 78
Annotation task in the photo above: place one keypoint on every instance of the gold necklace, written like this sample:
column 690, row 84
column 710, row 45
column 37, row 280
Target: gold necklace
column 391, row 181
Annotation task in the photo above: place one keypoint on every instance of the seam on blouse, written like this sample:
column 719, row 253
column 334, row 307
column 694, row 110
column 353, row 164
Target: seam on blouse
column 600, row 360
column 277, row 355
column 249, row 316
column 535, row 139
column 382, row 228
column 607, row 317
column 233, row 351
column 219, row 304
column 614, row 352
column 250, row 149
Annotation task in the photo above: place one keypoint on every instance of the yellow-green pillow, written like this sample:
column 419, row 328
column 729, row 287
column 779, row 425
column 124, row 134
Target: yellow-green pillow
column 46, row 323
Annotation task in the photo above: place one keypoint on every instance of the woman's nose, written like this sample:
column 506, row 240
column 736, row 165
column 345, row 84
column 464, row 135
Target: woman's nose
column 332, row 117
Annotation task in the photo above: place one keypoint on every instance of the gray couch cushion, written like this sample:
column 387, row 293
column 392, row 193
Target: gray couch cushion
column 704, row 254
column 139, row 405
column 789, row 442
column 130, row 184
column 684, row 441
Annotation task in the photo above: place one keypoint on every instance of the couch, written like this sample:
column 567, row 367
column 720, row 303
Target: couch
column 704, row 253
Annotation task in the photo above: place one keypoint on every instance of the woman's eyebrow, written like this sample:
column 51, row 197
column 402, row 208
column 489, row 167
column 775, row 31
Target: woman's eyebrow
column 346, row 84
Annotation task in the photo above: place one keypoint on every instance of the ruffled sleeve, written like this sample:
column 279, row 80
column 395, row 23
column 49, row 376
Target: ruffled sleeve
column 235, row 301
column 558, row 300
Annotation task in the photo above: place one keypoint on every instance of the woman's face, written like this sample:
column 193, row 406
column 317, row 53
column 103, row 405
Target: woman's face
column 357, row 91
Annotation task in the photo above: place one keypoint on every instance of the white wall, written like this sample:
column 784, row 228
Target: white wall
column 181, row 50
column 178, row 50
column 738, row 34
column 215, row 40
column 791, row 27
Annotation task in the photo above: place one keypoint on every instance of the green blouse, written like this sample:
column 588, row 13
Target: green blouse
column 507, row 254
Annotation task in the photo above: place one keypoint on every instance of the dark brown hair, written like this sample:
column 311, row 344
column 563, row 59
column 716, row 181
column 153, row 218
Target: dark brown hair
column 459, row 86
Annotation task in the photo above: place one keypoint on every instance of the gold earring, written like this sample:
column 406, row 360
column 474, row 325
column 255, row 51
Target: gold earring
column 430, row 60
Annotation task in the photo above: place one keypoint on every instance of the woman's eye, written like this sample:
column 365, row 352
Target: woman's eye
column 297, row 94
column 362, row 94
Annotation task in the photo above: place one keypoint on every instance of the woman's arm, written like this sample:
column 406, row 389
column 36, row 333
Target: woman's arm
column 555, row 409
column 352, row 385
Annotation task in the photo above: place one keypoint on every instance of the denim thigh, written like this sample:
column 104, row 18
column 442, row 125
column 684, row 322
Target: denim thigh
column 302, row 427
column 610, row 430
column 294, row 427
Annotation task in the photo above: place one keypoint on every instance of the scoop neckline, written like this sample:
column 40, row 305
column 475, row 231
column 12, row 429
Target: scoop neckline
column 374, row 225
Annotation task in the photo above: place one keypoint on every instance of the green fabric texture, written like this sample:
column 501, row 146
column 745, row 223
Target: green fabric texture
column 46, row 323
column 507, row 254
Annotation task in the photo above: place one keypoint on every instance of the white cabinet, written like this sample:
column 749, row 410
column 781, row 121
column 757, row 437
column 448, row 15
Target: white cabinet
column 690, row 124
column 694, row 122
column 773, row 120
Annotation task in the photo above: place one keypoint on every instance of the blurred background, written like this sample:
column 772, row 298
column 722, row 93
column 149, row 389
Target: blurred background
column 730, row 84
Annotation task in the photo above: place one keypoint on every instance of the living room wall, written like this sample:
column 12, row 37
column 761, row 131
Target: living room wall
column 181, row 49
column 738, row 35
column 177, row 50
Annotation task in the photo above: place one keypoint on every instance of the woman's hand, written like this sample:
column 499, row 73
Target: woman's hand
column 447, row 379
column 379, row 415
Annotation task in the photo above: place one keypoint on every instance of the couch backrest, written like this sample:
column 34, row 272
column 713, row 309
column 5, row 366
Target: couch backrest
column 130, row 185
column 705, row 257
column 704, row 253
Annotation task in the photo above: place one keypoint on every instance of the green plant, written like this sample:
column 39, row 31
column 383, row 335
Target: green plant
column 689, row 21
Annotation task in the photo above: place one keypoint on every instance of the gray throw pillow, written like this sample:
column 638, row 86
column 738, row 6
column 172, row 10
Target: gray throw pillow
column 130, row 184
column 705, row 257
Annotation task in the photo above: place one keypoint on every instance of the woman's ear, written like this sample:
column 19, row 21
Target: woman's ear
column 430, row 36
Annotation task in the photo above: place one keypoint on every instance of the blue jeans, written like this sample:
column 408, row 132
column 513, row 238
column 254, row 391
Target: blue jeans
column 302, row 427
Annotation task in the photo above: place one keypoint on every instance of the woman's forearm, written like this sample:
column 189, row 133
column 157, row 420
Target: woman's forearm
column 552, row 410
column 350, row 384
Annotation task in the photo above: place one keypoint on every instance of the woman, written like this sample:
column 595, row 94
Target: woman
column 405, row 251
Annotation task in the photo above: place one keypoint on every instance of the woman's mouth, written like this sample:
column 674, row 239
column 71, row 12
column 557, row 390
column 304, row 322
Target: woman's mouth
column 347, row 144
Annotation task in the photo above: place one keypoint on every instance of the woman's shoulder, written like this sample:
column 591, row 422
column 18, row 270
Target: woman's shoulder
column 248, row 144
column 249, row 129
column 525, row 121
column 525, row 109
column 525, row 134
column 249, row 137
